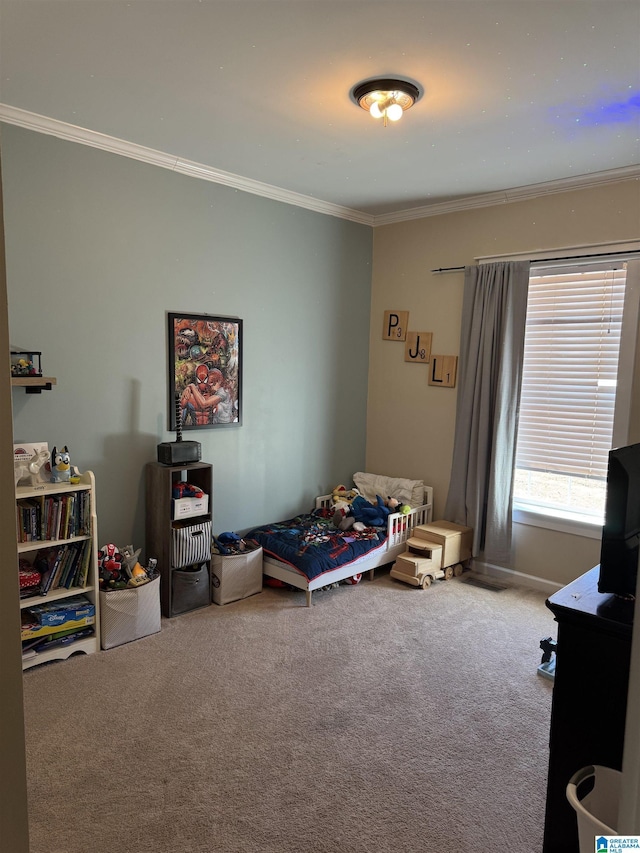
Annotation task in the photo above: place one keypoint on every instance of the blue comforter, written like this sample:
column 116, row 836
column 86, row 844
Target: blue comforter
column 313, row 545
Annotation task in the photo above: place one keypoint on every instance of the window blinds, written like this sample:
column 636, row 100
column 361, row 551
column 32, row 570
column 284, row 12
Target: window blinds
column 572, row 341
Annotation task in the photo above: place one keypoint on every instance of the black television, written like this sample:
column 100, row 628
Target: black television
column 621, row 529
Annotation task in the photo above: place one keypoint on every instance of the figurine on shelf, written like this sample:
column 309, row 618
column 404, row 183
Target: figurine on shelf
column 60, row 465
column 32, row 468
column 25, row 363
column 36, row 464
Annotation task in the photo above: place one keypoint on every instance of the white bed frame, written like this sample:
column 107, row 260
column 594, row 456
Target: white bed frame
column 399, row 528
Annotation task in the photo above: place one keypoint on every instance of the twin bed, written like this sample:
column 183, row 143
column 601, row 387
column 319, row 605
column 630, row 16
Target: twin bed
column 309, row 552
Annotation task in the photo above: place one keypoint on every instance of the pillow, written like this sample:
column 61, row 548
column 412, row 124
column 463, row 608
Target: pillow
column 406, row 491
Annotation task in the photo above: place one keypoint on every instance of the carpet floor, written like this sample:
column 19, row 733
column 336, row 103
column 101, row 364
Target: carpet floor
column 382, row 719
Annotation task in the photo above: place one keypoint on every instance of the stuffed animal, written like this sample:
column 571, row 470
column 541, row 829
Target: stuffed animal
column 374, row 515
column 343, row 517
column 341, row 493
column 395, row 506
column 110, row 568
column 136, row 574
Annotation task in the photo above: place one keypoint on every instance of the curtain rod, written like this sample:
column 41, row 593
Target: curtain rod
column 568, row 258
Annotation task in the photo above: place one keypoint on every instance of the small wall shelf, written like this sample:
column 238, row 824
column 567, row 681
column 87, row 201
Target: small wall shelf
column 34, row 384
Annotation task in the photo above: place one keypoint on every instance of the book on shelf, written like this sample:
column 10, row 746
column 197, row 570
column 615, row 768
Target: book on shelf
column 47, row 522
column 53, row 517
column 29, row 519
column 33, row 647
column 83, row 566
column 63, row 566
column 71, row 570
column 58, row 569
column 67, row 560
column 30, row 592
column 46, row 561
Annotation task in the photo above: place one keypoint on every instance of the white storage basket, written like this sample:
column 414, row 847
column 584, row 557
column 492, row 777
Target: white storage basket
column 129, row 614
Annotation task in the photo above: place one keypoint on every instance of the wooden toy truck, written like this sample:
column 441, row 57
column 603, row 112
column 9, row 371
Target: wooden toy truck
column 437, row 550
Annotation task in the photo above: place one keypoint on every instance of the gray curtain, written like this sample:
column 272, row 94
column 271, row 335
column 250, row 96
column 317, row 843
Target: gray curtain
column 491, row 351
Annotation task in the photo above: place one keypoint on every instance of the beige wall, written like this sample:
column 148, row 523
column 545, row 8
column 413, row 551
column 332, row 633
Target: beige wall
column 410, row 424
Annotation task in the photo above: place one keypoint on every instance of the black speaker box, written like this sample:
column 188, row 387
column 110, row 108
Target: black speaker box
column 177, row 452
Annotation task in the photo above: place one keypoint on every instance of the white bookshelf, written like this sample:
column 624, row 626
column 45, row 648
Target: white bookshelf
column 29, row 549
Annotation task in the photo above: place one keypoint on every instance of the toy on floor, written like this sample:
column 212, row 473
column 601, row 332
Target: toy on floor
column 60, row 465
column 437, row 550
column 547, row 668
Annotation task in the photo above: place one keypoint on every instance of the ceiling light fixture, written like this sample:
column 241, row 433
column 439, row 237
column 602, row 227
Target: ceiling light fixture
column 386, row 98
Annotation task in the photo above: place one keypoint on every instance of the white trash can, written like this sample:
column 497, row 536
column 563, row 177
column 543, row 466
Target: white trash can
column 597, row 811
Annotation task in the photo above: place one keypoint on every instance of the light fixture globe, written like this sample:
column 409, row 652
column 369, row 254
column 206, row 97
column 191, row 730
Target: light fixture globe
column 386, row 98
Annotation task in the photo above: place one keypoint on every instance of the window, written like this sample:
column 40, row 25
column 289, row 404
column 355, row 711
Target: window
column 570, row 389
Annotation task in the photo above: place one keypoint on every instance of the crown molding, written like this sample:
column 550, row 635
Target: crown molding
column 580, row 182
column 94, row 139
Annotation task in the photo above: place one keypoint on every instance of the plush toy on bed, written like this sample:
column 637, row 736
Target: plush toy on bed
column 394, row 505
column 341, row 493
column 374, row 515
column 343, row 517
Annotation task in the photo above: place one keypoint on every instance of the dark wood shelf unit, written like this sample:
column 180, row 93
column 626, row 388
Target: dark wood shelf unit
column 159, row 482
column 589, row 696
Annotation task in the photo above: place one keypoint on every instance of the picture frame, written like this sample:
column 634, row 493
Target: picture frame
column 205, row 370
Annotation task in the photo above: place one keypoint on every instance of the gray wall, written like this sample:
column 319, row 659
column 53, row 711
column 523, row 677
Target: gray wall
column 99, row 248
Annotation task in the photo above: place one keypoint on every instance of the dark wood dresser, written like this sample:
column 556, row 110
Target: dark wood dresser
column 589, row 696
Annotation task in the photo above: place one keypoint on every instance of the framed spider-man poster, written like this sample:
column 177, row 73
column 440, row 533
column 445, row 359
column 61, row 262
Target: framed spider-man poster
column 205, row 371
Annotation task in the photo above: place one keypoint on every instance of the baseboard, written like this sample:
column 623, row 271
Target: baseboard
column 514, row 578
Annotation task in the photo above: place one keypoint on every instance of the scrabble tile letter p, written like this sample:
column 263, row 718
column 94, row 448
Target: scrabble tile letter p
column 395, row 325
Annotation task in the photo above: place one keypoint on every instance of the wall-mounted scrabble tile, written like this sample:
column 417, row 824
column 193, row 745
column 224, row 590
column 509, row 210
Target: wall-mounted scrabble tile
column 443, row 370
column 417, row 348
column 395, row 325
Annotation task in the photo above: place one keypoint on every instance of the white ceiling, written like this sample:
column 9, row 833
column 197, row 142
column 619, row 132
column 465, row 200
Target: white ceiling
column 516, row 93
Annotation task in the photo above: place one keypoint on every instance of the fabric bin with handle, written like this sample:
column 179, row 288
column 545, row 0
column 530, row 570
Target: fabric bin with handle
column 236, row 576
column 191, row 544
column 190, row 589
column 129, row 614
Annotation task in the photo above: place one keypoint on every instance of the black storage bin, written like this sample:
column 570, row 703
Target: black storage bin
column 190, row 589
